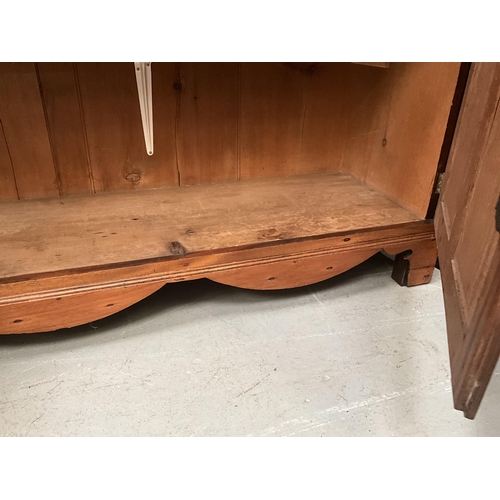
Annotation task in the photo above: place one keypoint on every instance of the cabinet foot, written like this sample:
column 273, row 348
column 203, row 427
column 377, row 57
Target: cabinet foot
column 415, row 266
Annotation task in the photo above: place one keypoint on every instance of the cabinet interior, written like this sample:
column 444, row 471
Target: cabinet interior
column 245, row 154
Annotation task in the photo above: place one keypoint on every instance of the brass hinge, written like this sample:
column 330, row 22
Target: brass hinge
column 439, row 183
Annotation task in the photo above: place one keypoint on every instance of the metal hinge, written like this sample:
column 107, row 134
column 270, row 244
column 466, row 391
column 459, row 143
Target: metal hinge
column 439, row 183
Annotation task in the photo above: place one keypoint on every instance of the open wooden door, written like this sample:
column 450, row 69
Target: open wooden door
column 468, row 236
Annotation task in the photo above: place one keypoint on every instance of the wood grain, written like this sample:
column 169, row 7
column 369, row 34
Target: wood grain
column 272, row 109
column 376, row 64
column 463, row 77
column 337, row 117
column 337, row 250
column 114, row 129
column 384, row 127
column 207, row 138
column 396, row 135
column 396, row 238
column 113, row 228
column 293, row 273
column 8, row 189
column 66, row 127
column 417, row 267
column 216, row 122
column 91, row 294
column 54, row 313
column 24, row 126
column 468, row 242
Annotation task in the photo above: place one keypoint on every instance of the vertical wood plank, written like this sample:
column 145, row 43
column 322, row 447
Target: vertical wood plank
column 208, row 122
column 114, row 129
column 368, row 97
column 272, row 110
column 66, row 130
column 405, row 126
column 25, row 129
column 335, row 91
column 8, row 189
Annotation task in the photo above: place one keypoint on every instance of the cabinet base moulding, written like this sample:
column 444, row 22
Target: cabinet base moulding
column 50, row 303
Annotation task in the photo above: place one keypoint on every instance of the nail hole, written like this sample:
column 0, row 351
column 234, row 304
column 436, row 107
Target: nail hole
column 329, row 267
column 271, row 278
column 347, row 239
column 135, row 218
column 59, row 298
column 109, row 305
column 17, row 321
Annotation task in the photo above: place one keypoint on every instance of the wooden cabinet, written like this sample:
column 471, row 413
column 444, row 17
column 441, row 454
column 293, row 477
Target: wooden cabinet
column 264, row 176
column 468, row 232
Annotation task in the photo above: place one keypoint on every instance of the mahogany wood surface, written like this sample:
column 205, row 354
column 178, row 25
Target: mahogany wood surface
column 468, row 241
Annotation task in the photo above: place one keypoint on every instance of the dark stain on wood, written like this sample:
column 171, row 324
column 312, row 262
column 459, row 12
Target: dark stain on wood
column 497, row 216
column 176, row 248
column 307, row 68
column 133, row 177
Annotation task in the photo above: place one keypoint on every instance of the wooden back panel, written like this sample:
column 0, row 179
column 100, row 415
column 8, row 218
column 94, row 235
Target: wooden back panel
column 72, row 128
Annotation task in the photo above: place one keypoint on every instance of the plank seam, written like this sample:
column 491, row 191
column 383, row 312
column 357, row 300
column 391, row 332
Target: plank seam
column 10, row 158
column 90, row 170
column 49, row 136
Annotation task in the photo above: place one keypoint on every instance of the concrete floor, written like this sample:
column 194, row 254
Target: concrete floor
column 353, row 356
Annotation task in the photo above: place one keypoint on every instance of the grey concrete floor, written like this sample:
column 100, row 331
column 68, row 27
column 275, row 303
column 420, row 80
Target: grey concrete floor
column 356, row 355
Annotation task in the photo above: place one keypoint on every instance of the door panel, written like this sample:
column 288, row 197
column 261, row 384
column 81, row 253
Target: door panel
column 468, row 241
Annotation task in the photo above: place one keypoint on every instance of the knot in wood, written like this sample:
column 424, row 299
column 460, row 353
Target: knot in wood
column 133, row 177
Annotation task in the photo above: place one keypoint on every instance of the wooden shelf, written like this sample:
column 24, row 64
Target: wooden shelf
column 68, row 261
column 47, row 236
